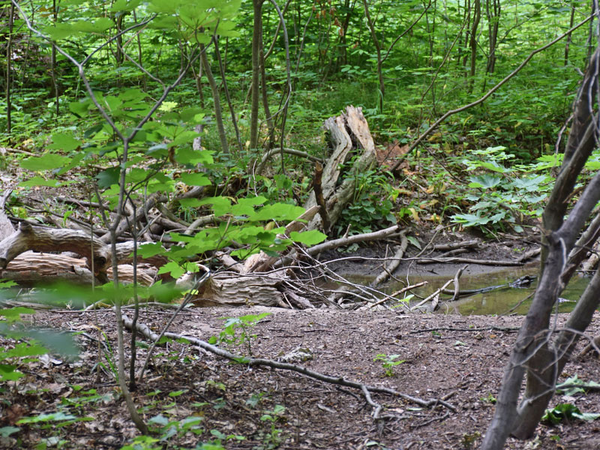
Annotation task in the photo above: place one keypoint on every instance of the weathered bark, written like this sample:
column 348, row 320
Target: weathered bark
column 343, row 129
column 41, row 239
column 6, row 228
column 265, row 290
column 32, row 268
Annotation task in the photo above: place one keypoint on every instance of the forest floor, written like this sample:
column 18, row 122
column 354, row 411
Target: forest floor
column 457, row 359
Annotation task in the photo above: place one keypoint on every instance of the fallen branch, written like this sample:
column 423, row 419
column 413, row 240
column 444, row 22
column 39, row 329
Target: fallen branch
column 278, row 151
column 483, row 262
column 392, row 264
column 341, row 242
column 435, row 297
column 490, row 328
column 257, row 362
column 401, row 291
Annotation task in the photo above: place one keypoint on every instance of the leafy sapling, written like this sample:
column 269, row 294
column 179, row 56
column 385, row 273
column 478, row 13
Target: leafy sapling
column 388, row 362
column 237, row 331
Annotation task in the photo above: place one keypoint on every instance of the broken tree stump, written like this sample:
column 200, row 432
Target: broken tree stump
column 344, row 130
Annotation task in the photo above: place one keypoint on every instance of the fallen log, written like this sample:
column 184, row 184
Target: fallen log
column 42, row 239
column 247, row 290
column 32, row 268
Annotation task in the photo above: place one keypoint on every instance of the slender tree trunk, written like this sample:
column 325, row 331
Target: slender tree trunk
column 265, row 101
column 377, row 45
column 256, row 49
column 53, row 64
column 467, row 19
column 11, row 14
column 473, row 42
column 139, row 49
column 216, row 98
column 227, row 96
column 343, row 37
column 534, row 350
column 569, row 37
column 493, row 17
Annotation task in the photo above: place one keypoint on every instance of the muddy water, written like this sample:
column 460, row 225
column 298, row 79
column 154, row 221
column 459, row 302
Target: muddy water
column 499, row 301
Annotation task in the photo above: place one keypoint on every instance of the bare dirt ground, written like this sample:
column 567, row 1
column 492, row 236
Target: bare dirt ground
column 454, row 358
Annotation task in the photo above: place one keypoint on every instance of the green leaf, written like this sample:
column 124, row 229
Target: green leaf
column 173, row 268
column 195, row 179
column 159, row 420
column 7, row 431
column 186, row 155
column 8, row 373
column 485, row 181
column 48, row 161
column 308, row 238
column 64, row 141
column 470, row 220
column 150, row 249
column 53, row 417
column 414, row 241
column 39, row 181
column 220, row 205
column 278, row 211
column 108, row 177
column 125, row 5
column 98, row 26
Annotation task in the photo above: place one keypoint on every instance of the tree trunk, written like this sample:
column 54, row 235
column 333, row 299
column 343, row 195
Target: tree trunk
column 256, row 49
column 216, row 99
column 534, row 350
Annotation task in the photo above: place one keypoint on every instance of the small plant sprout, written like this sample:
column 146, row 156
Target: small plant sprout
column 244, row 325
column 273, row 439
column 388, row 362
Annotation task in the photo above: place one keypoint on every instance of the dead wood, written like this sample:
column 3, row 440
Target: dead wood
column 130, row 221
column 42, row 239
column 483, row 262
column 32, row 268
column 125, row 255
column 6, row 228
column 392, row 265
column 456, row 245
column 343, row 131
column 277, row 151
column 224, row 290
column 401, row 291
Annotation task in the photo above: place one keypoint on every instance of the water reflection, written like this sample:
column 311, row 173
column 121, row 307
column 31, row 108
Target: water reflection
column 499, row 301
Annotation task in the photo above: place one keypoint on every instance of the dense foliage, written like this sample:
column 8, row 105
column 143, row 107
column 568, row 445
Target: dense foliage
column 405, row 63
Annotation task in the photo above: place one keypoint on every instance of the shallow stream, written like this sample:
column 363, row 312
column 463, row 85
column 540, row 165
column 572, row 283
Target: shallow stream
column 497, row 301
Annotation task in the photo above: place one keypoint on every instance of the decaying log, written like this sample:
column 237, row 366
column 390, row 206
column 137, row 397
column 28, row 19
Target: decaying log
column 31, row 268
column 343, row 130
column 125, row 255
column 42, row 239
column 6, row 228
column 238, row 291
